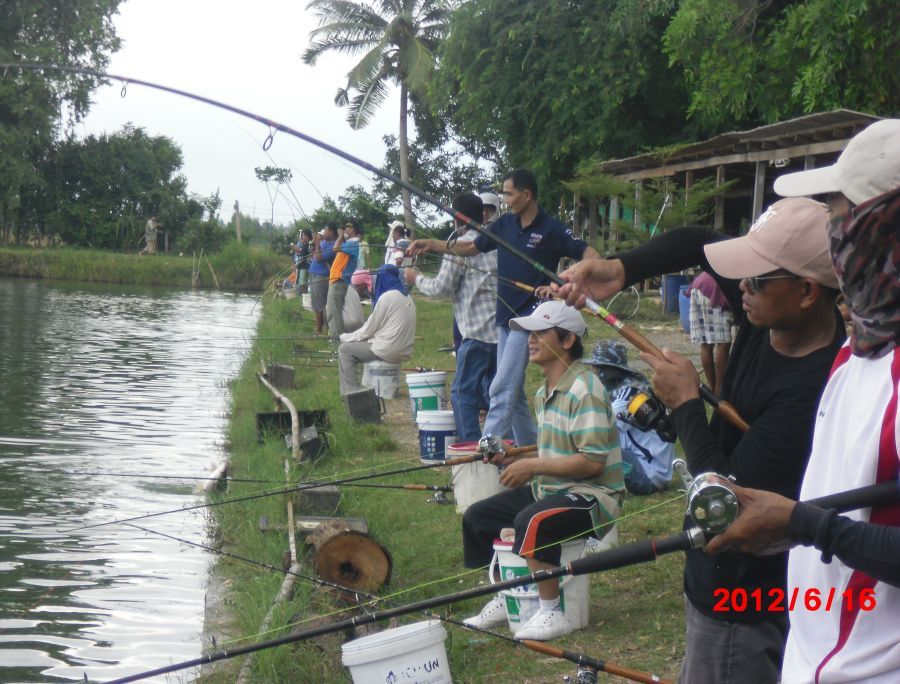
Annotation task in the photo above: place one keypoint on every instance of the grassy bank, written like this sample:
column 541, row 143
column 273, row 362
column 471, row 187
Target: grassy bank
column 237, row 267
column 636, row 613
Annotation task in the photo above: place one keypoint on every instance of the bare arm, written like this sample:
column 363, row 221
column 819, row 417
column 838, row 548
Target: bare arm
column 575, row 467
column 462, row 249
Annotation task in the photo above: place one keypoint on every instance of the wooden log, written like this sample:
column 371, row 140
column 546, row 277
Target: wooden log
column 350, row 558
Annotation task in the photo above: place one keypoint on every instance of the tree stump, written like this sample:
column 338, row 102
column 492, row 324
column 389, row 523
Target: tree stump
column 350, row 558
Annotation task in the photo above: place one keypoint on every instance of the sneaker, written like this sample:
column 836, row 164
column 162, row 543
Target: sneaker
column 545, row 625
column 492, row 615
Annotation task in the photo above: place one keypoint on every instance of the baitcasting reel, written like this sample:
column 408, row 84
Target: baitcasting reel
column 490, row 446
column 645, row 412
column 712, row 506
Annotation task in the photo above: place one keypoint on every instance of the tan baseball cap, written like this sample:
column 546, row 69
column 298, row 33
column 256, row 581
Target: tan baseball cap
column 554, row 314
column 869, row 166
column 791, row 234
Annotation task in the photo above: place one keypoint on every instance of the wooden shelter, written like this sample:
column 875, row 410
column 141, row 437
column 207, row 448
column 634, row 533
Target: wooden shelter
column 750, row 159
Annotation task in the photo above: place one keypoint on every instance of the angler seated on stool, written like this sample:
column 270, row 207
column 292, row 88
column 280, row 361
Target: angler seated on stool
column 573, row 488
column 387, row 335
column 647, row 453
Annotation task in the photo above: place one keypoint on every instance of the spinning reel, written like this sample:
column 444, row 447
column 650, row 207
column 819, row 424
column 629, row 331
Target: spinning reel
column 711, row 504
column 645, row 412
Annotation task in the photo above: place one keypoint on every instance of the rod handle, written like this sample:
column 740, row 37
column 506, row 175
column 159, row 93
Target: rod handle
column 519, row 451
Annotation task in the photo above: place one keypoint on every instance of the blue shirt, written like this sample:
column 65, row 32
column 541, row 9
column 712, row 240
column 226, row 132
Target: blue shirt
column 321, row 268
column 351, row 249
column 546, row 241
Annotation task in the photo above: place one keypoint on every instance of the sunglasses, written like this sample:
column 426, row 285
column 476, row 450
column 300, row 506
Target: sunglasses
column 757, row 283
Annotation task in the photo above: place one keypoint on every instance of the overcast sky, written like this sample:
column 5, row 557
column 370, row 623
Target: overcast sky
column 246, row 54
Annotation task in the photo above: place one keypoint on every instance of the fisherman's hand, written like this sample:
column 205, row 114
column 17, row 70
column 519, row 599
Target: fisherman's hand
column 675, row 380
column 594, row 278
column 544, row 292
column 417, row 247
column 761, row 528
column 519, row 472
column 410, row 275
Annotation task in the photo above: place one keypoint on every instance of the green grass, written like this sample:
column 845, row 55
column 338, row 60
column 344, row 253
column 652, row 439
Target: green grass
column 237, row 267
column 636, row 613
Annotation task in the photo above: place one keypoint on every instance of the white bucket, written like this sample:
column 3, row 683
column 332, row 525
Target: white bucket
column 413, row 654
column 383, row 377
column 522, row 602
column 474, row 481
column 437, row 432
column 289, row 292
column 306, row 299
column 427, row 391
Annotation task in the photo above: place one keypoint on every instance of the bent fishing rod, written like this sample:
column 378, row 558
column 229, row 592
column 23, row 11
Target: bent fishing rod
column 303, row 486
column 623, row 556
column 631, row 334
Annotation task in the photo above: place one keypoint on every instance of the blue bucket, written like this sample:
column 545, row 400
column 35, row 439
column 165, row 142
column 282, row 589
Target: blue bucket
column 684, row 307
column 669, row 291
column 437, row 431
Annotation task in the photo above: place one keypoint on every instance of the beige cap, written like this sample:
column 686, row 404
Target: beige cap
column 395, row 224
column 554, row 314
column 868, row 167
column 791, row 234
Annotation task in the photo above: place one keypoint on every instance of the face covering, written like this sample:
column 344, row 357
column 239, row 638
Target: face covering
column 866, row 255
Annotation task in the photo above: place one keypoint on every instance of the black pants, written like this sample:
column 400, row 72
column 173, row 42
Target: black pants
column 539, row 525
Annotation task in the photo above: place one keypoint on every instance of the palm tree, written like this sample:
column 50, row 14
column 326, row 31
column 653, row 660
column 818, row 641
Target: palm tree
column 399, row 38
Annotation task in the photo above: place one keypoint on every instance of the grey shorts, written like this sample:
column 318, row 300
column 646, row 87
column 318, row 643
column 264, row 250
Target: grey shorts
column 318, row 292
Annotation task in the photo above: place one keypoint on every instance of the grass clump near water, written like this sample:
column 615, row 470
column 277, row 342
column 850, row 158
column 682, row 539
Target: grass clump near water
column 237, row 266
column 636, row 613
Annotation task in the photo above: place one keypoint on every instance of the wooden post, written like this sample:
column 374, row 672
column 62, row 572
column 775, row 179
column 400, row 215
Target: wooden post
column 719, row 216
column 592, row 221
column 759, row 187
column 237, row 219
column 809, row 162
column 637, row 203
column 613, row 217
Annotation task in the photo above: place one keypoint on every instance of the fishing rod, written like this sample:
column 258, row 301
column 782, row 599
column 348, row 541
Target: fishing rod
column 632, row 335
column 579, row 659
column 410, row 487
column 303, row 486
column 623, row 556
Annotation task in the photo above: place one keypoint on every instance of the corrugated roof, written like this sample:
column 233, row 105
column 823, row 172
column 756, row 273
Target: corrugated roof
column 840, row 124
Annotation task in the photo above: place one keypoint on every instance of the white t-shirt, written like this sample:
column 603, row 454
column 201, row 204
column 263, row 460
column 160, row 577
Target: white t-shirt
column 856, row 443
column 391, row 329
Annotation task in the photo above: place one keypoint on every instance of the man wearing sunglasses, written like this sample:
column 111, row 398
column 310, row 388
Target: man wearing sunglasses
column 779, row 282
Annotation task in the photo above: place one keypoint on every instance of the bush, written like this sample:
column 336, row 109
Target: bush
column 246, row 267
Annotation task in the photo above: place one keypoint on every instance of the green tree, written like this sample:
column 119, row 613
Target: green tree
column 749, row 62
column 75, row 33
column 399, row 39
column 551, row 83
column 99, row 192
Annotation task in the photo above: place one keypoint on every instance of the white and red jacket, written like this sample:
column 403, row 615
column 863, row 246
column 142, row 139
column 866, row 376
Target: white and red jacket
column 855, row 444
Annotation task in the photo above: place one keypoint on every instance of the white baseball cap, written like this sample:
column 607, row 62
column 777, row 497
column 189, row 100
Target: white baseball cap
column 555, row 314
column 490, row 198
column 869, row 166
column 791, row 234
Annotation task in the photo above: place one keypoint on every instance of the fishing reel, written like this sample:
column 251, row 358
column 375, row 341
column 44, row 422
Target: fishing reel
column 585, row 674
column 645, row 412
column 490, row 446
column 711, row 504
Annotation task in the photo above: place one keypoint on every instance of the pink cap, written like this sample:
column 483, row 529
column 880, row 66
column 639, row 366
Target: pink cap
column 791, row 234
column 362, row 277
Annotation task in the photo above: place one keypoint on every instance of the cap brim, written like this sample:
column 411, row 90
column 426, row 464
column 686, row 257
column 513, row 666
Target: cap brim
column 736, row 259
column 529, row 324
column 806, row 183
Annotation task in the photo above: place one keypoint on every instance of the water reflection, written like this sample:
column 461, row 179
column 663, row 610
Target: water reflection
column 100, row 380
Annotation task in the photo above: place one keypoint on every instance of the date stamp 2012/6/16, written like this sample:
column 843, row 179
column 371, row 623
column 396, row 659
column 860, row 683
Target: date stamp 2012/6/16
column 776, row 600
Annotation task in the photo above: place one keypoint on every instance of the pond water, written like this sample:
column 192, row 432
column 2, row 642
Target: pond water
column 101, row 388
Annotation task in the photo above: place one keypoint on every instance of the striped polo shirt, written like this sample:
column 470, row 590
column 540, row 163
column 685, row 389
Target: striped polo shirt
column 577, row 419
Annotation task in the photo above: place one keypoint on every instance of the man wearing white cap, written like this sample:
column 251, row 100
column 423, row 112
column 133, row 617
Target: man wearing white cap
column 856, row 441
column 780, row 285
column 574, row 487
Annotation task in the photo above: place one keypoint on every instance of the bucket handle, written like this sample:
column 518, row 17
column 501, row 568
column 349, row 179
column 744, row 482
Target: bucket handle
column 492, row 567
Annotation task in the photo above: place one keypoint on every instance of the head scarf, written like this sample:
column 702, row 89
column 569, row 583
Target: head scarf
column 362, row 277
column 388, row 279
column 866, row 256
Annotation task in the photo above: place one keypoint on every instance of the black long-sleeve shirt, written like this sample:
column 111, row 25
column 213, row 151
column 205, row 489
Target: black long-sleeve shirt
column 776, row 394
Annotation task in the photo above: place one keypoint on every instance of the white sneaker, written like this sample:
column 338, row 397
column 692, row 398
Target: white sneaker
column 545, row 625
column 492, row 615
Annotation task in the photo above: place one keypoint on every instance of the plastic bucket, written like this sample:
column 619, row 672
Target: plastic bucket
column 289, row 292
column 523, row 602
column 427, row 391
column 474, row 481
column 383, row 377
column 684, row 307
column 412, row 654
column 669, row 291
column 437, row 431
